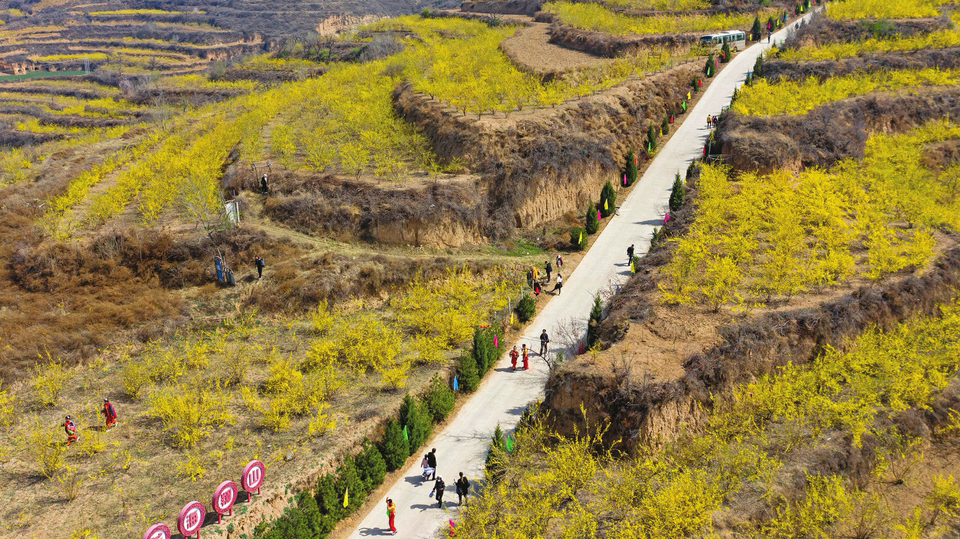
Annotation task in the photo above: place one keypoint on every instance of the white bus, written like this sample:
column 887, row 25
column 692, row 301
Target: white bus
column 736, row 39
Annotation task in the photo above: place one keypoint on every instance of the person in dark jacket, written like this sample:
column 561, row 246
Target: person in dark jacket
column 260, row 264
column 463, row 487
column 547, row 268
column 432, row 461
column 438, row 490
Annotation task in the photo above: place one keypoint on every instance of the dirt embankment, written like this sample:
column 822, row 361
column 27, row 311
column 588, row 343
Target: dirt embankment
column 535, row 167
column 920, row 59
column 607, row 45
column 439, row 214
column 824, row 30
column 829, row 132
column 509, row 7
column 650, row 410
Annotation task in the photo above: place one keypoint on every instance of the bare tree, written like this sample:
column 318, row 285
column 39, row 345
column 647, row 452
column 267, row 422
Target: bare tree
column 201, row 203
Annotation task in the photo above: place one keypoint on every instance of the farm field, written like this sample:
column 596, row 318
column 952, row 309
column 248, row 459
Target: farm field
column 417, row 170
column 114, row 183
column 767, row 278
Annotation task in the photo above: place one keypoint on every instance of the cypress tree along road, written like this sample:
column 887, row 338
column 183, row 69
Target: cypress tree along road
column 578, row 238
column 467, row 373
column 651, row 139
column 631, row 168
column 416, row 419
column 526, row 308
column 592, row 224
column 370, row 465
column 438, row 398
column 676, row 194
column 393, row 447
column 608, row 200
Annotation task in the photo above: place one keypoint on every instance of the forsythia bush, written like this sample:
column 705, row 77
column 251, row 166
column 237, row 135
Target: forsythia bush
column 566, row 487
column 764, row 98
column 44, row 445
column 940, row 39
column 660, row 5
column 189, row 411
column 446, row 309
column 7, row 408
column 883, row 9
column 778, row 234
column 600, row 19
column 48, row 381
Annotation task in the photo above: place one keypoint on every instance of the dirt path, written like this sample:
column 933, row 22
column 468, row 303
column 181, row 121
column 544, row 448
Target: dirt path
column 504, row 394
column 531, row 50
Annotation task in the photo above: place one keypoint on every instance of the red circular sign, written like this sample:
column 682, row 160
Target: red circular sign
column 224, row 496
column 252, row 476
column 191, row 518
column 157, row 531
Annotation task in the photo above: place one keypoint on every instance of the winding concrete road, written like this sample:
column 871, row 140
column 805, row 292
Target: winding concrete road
column 503, row 395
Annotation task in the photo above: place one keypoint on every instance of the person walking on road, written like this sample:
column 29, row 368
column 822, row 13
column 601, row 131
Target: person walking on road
column 526, row 356
column 544, row 339
column 559, row 286
column 630, row 254
column 463, row 487
column 547, row 268
column 438, row 490
column 513, row 358
column 432, row 461
column 391, row 515
column 260, row 264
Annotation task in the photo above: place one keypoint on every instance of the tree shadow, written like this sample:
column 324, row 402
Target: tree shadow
column 517, row 410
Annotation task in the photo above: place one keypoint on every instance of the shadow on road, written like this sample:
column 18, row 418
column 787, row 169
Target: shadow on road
column 415, row 480
column 424, row 506
column 517, row 410
column 367, row 532
column 650, row 222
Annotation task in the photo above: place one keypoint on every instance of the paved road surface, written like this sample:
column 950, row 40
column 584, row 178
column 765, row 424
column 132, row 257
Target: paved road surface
column 503, row 395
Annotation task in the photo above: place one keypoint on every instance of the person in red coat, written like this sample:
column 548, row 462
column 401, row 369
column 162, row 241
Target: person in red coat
column 109, row 413
column 513, row 357
column 392, row 515
column 526, row 358
column 71, row 429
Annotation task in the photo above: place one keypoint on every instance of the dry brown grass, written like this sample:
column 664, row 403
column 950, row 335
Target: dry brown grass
column 830, row 132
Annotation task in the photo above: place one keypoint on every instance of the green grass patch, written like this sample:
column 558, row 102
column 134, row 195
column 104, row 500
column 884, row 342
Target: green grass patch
column 40, row 75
